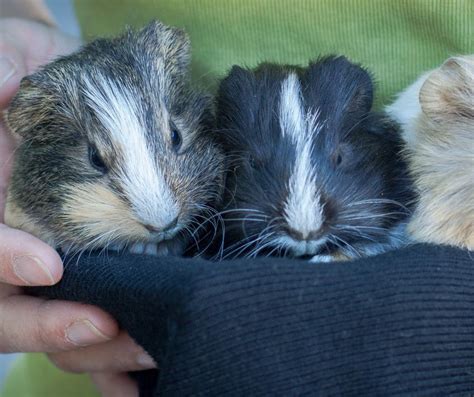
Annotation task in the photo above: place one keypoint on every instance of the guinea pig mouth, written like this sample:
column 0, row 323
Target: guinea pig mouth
column 305, row 248
column 301, row 248
column 158, row 236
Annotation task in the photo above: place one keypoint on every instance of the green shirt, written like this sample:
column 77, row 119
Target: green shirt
column 395, row 39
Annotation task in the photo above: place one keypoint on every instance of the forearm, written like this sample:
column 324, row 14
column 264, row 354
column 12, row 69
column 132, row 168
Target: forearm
column 35, row 10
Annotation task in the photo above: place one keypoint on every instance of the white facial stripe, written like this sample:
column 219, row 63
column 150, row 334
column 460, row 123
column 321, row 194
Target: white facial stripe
column 303, row 211
column 143, row 183
column 292, row 121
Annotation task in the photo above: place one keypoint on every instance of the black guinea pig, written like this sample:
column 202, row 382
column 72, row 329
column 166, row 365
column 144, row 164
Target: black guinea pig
column 313, row 172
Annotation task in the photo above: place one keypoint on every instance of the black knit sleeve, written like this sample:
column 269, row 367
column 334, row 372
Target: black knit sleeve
column 400, row 324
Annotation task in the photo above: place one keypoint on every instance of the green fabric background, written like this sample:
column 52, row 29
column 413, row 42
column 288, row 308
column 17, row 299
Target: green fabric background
column 34, row 376
column 395, row 39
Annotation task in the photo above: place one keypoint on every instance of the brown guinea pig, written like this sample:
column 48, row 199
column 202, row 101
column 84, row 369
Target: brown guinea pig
column 437, row 118
column 115, row 147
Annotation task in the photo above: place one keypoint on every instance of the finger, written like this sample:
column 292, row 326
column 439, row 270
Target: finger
column 29, row 324
column 26, row 260
column 121, row 354
column 7, row 290
column 7, row 146
column 115, row 385
column 12, row 69
column 24, row 46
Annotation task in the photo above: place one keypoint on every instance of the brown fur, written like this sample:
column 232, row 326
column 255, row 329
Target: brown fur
column 58, row 193
column 17, row 218
column 94, row 210
column 442, row 156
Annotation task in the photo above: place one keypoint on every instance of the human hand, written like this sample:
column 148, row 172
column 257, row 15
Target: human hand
column 78, row 338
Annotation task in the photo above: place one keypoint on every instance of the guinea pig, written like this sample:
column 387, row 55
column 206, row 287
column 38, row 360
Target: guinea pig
column 116, row 147
column 437, row 118
column 314, row 173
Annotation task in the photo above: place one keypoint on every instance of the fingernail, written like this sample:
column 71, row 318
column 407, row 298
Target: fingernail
column 32, row 271
column 84, row 333
column 7, row 69
column 145, row 361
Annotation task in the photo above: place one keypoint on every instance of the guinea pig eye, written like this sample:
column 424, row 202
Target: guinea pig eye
column 176, row 139
column 343, row 157
column 96, row 160
column 252, row 162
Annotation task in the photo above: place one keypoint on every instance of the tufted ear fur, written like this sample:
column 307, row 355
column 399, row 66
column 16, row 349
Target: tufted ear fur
column 448, row 92
column 169, row 43
column 31, row 107
column 345, row 87
column 237, row 85
column 237, row 101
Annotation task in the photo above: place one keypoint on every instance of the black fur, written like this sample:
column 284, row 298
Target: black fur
column 356, row 154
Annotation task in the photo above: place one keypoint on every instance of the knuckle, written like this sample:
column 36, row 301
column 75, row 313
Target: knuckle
column 4, row 345
column 64, row 362
column 46, row 333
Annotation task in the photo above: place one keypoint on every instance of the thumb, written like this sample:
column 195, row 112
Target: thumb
column 12, row 70
column 24, row 46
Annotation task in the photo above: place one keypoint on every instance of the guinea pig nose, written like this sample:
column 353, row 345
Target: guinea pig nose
column 297, row 235
column 171, row 225
column 152, row 229
column 156, row 229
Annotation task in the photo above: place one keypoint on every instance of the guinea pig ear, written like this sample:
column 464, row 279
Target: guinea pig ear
column 347, row 85
column 169, row 43
column 236, row 106
column 30, row 107
column 236, row 92
column 239, row 80
column 448, row 92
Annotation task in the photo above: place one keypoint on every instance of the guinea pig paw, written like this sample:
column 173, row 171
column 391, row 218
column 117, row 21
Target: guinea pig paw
column 151, row 249
column 321, row 259
column 116, row 247
column 137, row 248
column 144, row 249
column 171, row 248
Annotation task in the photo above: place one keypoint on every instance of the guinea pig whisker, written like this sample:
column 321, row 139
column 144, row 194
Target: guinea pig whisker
column 263, row 237
column 277, row 248
column 393, row 214
column 240, row 247
column 379, row 201
column 245, row 220
column 215, row 231
column 356, row 230
column 375, row 228
column 214, row 222
column 243, row 210
column 258, row 249
column 345, row 246
column 357, row 124
column 206, row 220
column 229, row 251
column 190, row 232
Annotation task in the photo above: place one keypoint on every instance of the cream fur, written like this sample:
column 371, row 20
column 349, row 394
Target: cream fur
column 440, row 149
